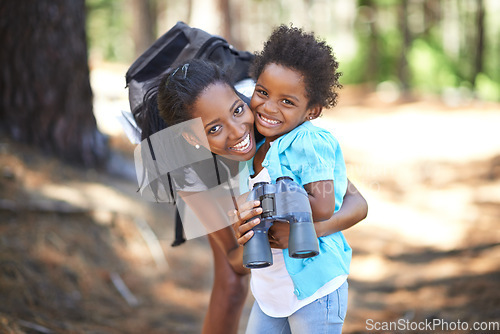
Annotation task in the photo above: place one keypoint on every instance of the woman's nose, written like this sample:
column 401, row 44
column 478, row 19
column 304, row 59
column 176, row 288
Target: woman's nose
column 237, row 129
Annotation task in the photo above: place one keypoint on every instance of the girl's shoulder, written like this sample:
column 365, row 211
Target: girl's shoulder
column 307, row 136
column 308, row 127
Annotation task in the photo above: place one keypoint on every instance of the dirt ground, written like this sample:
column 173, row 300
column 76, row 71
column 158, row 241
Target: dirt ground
column 82, row 252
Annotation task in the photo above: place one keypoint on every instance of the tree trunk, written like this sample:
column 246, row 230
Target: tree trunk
column 372, row 74
column 46, row 98
column 144, row 26
column 230, row 18
column 479, row 40
column 403, row 71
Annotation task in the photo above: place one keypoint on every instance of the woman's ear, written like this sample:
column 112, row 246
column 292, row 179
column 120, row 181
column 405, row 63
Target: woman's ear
column 314, row 112
column 191, row 139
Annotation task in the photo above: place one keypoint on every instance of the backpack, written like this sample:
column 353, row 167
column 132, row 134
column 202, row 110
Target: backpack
column 178, row 45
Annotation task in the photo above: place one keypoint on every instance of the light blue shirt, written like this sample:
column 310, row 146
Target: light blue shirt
column 309, row 154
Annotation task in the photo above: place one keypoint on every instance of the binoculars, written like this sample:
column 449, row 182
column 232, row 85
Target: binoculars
column 285, row 200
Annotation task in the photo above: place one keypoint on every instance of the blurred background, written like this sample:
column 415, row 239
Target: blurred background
column 418, row 119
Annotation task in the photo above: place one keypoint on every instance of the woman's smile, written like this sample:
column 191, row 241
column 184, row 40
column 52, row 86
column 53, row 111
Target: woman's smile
column 244, row 145
column 228, row 122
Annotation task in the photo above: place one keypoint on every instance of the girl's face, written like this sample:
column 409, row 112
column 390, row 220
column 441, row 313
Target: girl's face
column 227, row 121
column 280, row 101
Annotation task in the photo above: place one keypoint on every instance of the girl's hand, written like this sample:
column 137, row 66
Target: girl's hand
column 278, row 234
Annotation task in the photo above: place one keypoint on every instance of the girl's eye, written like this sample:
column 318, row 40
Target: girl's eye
column 262, row 92
column 239, row 110
column 285, row 101
column 214, row 129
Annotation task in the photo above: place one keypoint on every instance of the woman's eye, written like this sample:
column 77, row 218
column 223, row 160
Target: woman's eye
column 239, row 110
column 214, row 129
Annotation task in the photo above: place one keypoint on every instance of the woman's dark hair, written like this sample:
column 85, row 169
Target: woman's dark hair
column 178, row 91
column 147, row 116
column 293, row 48
column 170, row 99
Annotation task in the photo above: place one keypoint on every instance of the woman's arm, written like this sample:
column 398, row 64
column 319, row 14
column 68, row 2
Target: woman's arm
column 213, row 217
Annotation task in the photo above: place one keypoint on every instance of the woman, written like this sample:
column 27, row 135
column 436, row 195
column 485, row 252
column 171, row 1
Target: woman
column 198, row 90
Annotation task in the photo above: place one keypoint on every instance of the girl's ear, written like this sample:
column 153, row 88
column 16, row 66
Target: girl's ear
column 314, row 112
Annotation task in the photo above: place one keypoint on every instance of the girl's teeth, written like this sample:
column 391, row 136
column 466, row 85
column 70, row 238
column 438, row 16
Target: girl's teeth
column 269, row 120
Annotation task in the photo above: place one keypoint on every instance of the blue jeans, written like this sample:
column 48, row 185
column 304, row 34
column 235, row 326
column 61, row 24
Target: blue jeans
column 324, row 315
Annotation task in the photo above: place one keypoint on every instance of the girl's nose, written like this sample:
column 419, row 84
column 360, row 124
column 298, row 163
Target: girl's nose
column 270, row 107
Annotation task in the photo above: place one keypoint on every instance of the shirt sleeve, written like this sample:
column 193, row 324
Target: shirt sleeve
column 311, row 156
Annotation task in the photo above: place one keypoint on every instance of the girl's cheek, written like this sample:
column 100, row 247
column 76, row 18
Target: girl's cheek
column 254, row 102
column 249, row 116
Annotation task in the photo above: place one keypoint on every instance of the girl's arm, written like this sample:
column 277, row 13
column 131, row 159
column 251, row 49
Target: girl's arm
column 354, row 209
column 321, row 198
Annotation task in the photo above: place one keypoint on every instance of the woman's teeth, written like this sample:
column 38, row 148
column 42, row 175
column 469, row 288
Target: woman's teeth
column 242, row 145
column 267, row 120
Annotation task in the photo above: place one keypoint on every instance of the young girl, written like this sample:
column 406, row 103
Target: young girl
column 296, row 76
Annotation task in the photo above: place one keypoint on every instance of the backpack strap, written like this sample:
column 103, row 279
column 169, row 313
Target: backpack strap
column 231, row 190
column 179, row 230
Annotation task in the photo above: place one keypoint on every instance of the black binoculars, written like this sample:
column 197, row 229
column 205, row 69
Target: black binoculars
column 285, row 200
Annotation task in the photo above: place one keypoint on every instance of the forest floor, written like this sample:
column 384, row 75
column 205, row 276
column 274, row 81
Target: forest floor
column 82, row 252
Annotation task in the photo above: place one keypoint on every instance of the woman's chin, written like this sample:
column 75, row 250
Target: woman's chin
column 242, row 155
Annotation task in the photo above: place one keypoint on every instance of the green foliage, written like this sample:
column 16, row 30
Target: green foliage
column 430, row 69
column 380, row 52
column 486, row 88
column 390, row 47
column 354, row 70
column 107, row 32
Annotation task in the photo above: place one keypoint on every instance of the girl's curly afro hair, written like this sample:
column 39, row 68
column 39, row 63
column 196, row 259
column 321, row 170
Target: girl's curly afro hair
column 293, row 48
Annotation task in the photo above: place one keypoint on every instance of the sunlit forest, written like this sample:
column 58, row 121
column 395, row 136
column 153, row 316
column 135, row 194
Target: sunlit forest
column 418, row 114
column 447, row 47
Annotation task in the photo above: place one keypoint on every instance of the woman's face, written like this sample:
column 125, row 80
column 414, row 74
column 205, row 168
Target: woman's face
column 227, row 121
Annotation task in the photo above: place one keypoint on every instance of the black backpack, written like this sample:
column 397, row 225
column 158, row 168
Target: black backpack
column 178, row 45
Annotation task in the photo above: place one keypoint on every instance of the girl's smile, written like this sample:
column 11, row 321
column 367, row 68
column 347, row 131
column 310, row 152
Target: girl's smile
column 280, row 101
column 268, row 120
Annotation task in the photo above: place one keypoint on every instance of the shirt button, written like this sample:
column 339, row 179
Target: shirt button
column 296, row 292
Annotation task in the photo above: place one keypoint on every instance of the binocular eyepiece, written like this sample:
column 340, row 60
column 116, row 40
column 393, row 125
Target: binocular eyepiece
column 285, row 200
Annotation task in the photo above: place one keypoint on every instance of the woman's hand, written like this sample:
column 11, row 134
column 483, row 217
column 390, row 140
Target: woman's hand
column 243, row 222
